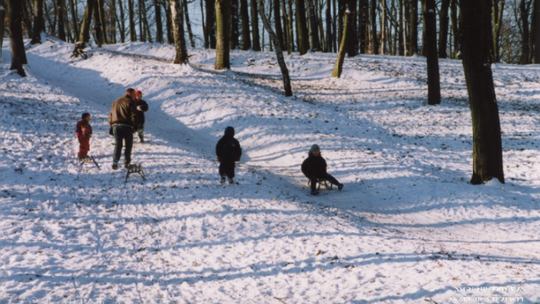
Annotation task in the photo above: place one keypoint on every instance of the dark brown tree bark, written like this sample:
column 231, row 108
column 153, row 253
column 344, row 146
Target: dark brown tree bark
column 61, row 24
column 455, row 28
column 211, row 22
column 290, row 25
column 159, row 23
column 122, row 22
column 279, row 51
column 74, row 18
column 524, row 9
column 363, row 16
column 2, row 26
column 352, row 43
column 498, row 12
column 99, row 23
column 169, row 22
column 443, row 28
column 329, row 37
column 18, row 54
column 177, row 17
column 301, row 27
column 235, row 25
column 256, row 38
column 430, row 45
column 39, row 23
column 313, row 31
column 373, row 17
column 246, row 32
column 285, row 26
column 26, row 14
column 223, row 15
column 277, row 22
column 475, row 24
column 131, row 14
column 413, row 28
column 188, row 24
column 536, row 40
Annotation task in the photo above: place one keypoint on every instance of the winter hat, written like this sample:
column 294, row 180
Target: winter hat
column 229, row 132
column 137, row 93
column 84, row 115
column 314, row 148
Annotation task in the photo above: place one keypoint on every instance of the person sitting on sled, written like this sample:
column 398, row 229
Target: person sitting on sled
column 314, row 168
column 228, row 152
column 83, row 131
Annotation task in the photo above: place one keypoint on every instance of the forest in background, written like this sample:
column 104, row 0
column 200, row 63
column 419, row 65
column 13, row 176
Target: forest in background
column 389, row 27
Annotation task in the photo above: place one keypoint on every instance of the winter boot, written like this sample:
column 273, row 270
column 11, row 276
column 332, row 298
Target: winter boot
column 231, row 181
column 141, row 137
column 340, row 186
column 115, row 166
column 222, row 180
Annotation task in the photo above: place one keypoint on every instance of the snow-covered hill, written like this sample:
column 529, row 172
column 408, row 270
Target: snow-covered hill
column 407, row 228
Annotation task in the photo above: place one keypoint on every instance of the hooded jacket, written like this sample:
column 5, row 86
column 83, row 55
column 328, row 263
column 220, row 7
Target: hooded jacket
column 123, row 112
column 141, row 107
column 314, row 166
column 228, row 148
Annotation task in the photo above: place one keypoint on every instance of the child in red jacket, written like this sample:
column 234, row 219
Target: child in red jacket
column 83, row 130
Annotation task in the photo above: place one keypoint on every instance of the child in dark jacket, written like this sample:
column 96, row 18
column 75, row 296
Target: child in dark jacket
column 83, row 131
column 228, row 152
column 314, row 167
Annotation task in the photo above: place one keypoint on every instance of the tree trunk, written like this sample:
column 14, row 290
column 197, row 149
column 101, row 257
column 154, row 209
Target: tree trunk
column 536, row 41
column 352, row 43
column 363, row 17
column 18, row 54
column 338, row 67
column 211, row 22
column 277, row 22
column 26, row 14
column 430, row 24
column 383, row 43
column 159, row 23
column 487, row 147
column 222, row 32
column 177, row 17
column 285, row 26
column 122, row 22
column 455, row 28
column 74, row 18
column 235, row 25
column 443, row 28
column 140, row 11
column 188, row 24
column 84, row 35
column 169, row 25
column 112, row 22
column 498, row 12
column 255, row 26
column 2, row 26
column 313, row 32
column 328, row 17
column 301, row 26
column 246, row 34
column 98, row 23
column 131, row 13
column 279, row 51
column 373, row 17
column 290, row 46
column 39, row 23
column 413, row 28
column 61, row 25
column 524, row 8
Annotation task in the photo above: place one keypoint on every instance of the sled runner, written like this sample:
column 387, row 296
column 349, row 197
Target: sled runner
column 321, row 181
column 88, row 160
column 135, row 169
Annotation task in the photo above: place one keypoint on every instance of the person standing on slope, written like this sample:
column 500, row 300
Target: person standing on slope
column 83, row 131
column 142, row 107
column 228, row 152
column 314, row 168
column 122, row 120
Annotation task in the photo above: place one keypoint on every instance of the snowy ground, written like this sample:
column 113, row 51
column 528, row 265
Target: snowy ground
column 407, row 228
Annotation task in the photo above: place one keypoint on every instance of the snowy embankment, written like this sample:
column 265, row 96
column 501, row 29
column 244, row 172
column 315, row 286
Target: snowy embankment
column 407, row 228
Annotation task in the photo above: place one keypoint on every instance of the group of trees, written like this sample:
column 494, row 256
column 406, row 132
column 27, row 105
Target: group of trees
column 480, row 32
column 392, row 27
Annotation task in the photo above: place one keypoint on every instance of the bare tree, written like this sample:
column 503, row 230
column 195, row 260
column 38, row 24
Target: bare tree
column 524, row 10
column 39, row 23
column 338, row 67
column 255, row 26
column 159, row 23
column 223, row 15
column 498, row 12
column 177, row 17
column 443, row 28
column 430, row 44
column 301, row 27
column 413, row 28
column 18, row 54
column 536, row 31
column 373, row 17
column 279, row 52
column 61, row 25
column 487, row 145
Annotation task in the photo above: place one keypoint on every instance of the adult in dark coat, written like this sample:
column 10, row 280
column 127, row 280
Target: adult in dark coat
column 314, row 167
column 142, row 107
column 122, row 120
column 228, row 152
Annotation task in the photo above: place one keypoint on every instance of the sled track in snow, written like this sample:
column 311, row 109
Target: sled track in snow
column 243, row 77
